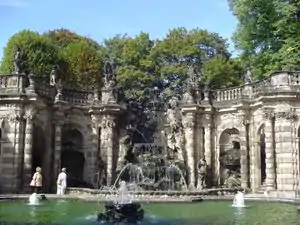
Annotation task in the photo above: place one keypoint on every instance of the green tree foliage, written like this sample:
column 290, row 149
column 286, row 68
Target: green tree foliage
column 206, row 50
column 79, row 59
column 144, row 62
column 268, row 33
column 39, row 54
column 135, row 70
column 83, row 62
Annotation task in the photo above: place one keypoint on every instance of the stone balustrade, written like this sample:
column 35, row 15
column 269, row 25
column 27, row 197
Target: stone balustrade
column 18, row 82
column 269, row 84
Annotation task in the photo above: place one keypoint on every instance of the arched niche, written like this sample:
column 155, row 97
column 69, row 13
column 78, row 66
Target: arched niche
column 229, row 157
column 72, row 155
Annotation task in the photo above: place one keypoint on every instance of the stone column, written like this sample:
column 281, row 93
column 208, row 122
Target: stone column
column 270, row 151
column 108, row 124
column 188, row 122
column 57, row 147
column 27, row 160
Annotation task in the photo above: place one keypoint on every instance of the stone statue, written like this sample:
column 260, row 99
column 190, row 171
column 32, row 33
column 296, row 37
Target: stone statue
column 53, row 76
column 248, row 76
column 17, row 60
column 188, row 95
column 233, row 180
column 109, row 80
column 192, row 86
column 202, row 172
column 125, row 145
column 174, row 134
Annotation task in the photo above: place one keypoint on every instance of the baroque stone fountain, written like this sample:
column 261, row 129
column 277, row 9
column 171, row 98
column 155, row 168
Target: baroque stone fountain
column 152, row 157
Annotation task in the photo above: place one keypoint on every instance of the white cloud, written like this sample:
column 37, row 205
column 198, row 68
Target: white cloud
column 13, row 3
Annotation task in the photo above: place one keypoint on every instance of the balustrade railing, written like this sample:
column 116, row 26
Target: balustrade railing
column 17, row 83
column 258, row 87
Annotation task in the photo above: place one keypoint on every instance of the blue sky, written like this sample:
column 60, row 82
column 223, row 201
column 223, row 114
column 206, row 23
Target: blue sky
column 99, row 19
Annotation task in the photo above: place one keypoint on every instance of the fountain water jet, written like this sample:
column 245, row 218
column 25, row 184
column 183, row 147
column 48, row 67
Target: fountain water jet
column 239, row 201
column 34, row 199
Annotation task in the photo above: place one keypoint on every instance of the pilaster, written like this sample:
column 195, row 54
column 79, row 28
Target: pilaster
column 244, row 150
column 270, row 150
column 107, row 128
column 95, row 147
column 188, row 122
column 286, row 153
column 27, row 163
column 57, row 146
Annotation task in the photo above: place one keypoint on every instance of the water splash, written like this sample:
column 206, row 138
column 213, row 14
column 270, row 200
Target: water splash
column 34, row 199
column 239, row 201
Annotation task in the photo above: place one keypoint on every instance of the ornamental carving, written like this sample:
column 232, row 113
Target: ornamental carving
column 108, row 122
column 95, row 121
column 188, row 120
column 30, row 112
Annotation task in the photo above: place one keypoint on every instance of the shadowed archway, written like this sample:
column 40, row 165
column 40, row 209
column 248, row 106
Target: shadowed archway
column 72, row 156
column 38, row 148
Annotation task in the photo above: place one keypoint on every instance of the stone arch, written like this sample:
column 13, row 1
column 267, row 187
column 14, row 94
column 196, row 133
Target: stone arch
column 72, row 154
column 260, row 155
column 229, row 155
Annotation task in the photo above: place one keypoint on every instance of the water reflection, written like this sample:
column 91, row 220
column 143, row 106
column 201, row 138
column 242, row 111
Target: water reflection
column 33, row 212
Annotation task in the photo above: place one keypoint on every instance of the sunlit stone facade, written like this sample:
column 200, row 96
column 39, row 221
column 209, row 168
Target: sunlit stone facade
column 51, row 126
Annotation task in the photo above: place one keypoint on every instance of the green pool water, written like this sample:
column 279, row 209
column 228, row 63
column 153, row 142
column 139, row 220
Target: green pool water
column 78, row 212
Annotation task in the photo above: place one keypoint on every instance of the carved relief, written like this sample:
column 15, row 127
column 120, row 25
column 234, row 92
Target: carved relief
column 188, row 120
column 30, row 112
column 108, row 122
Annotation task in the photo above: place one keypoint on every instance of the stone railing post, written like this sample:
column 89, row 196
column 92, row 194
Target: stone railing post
column 270, row 151
column 27, row 160
column 188, row 122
